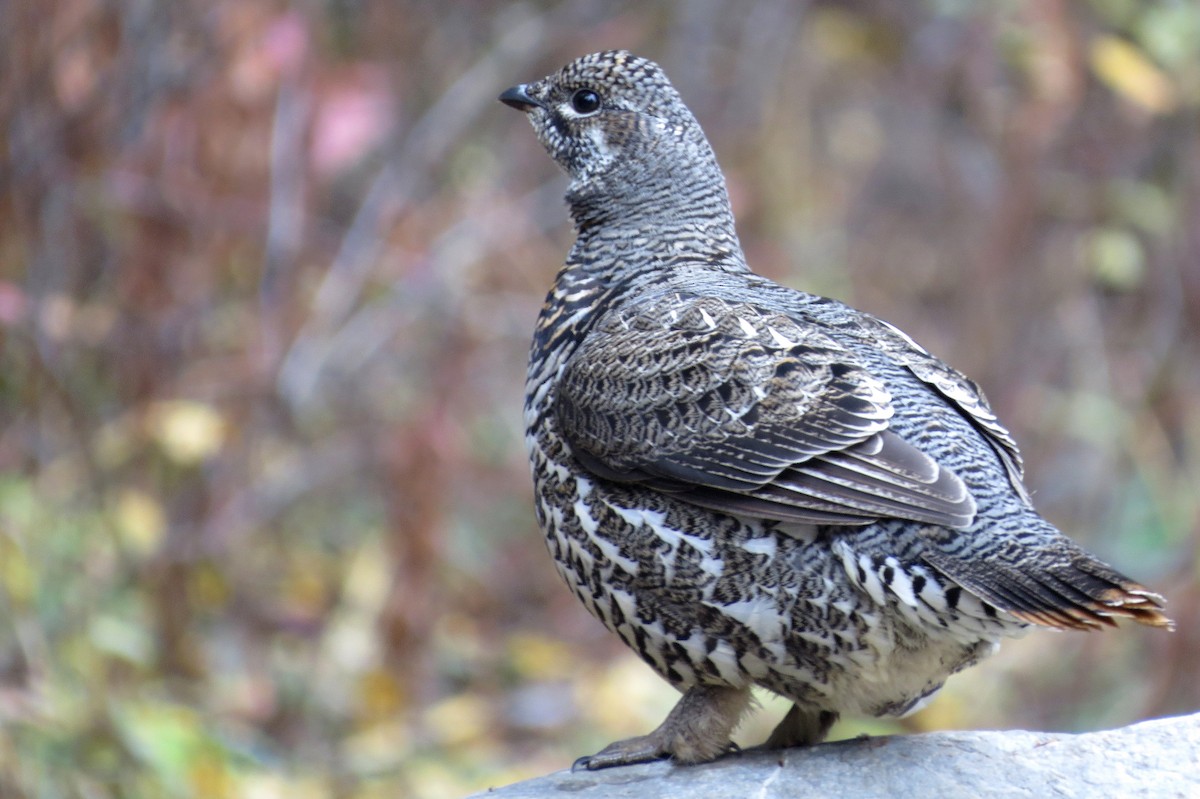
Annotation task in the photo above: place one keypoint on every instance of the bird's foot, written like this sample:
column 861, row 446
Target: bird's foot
column 697, row 730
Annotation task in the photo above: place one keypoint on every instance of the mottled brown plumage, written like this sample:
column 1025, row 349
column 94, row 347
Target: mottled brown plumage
column 751, row 485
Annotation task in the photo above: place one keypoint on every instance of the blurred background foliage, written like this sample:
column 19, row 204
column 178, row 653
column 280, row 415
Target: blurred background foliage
column 267, row 275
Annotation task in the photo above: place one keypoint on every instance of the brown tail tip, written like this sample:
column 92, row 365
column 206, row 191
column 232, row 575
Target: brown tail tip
column 1136, row 602
column 1129, row 601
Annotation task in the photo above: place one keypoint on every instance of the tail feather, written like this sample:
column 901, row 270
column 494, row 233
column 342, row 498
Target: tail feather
column 1064, row 588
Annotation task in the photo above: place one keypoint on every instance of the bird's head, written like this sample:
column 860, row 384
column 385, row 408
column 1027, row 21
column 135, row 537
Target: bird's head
column 607, row 109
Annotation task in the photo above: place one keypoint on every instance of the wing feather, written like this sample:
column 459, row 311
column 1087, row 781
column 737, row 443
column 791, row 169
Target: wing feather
column 958, row 389
column 748, row 412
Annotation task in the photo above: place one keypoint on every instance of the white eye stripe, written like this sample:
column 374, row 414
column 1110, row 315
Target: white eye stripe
column 570, row 113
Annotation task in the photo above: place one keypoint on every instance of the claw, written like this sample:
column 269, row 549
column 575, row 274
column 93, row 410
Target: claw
column 642, row 749
column 696, row 731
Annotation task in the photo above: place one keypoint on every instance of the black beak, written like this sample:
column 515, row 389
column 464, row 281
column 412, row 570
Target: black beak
column 519, row 99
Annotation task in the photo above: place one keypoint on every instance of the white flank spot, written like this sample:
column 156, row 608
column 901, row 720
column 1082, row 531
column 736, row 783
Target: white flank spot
column 901, row 584
column 931, row 594
column 873, row 585
column 577, row 551
column 753, row 664
column 632, row 516
column 761, row 546
column 711, row 566
column 726, row 661
column 758, row 614
column 747, row 328
column 695, row 646
column 667, row 559
column 843, row 551
column 708, row 320
column 816, row 638
column 626, row 603
column 586, row 520
column 847, row 636
column 845, row 606
column 704, row 546
column 686, row 672
column 657, row 522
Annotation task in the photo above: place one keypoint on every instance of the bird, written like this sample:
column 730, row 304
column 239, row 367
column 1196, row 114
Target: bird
column 751, row 485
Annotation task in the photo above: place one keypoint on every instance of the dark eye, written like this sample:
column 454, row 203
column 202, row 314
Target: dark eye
column 585, row 101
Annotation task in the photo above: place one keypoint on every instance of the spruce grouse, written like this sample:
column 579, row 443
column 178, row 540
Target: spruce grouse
column 752, row 485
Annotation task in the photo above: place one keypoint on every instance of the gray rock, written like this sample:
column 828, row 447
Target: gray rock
column 1158, row 759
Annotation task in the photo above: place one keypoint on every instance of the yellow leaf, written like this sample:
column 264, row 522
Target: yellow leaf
column 140, row 520
column 843, row 36
column 187, row 431
column 380, row 694
column 1115, row 258
column 278, row 785
column 209, row 776
column 379, row 746
column 431, row 778
column 459, row 720
column 305, row 586
column 208, row 587
column 368, row 580
column 537, row 657
column 1129, row 73
column 17, row 575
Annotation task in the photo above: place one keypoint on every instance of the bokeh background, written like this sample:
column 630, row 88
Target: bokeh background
column 267, row 275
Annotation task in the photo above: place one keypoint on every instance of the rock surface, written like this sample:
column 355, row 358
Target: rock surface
column 1158, row 758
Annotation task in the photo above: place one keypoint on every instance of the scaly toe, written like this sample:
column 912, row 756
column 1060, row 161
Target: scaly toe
column 641, row 749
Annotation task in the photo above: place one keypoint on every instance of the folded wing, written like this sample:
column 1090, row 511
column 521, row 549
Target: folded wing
column 746, row 412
